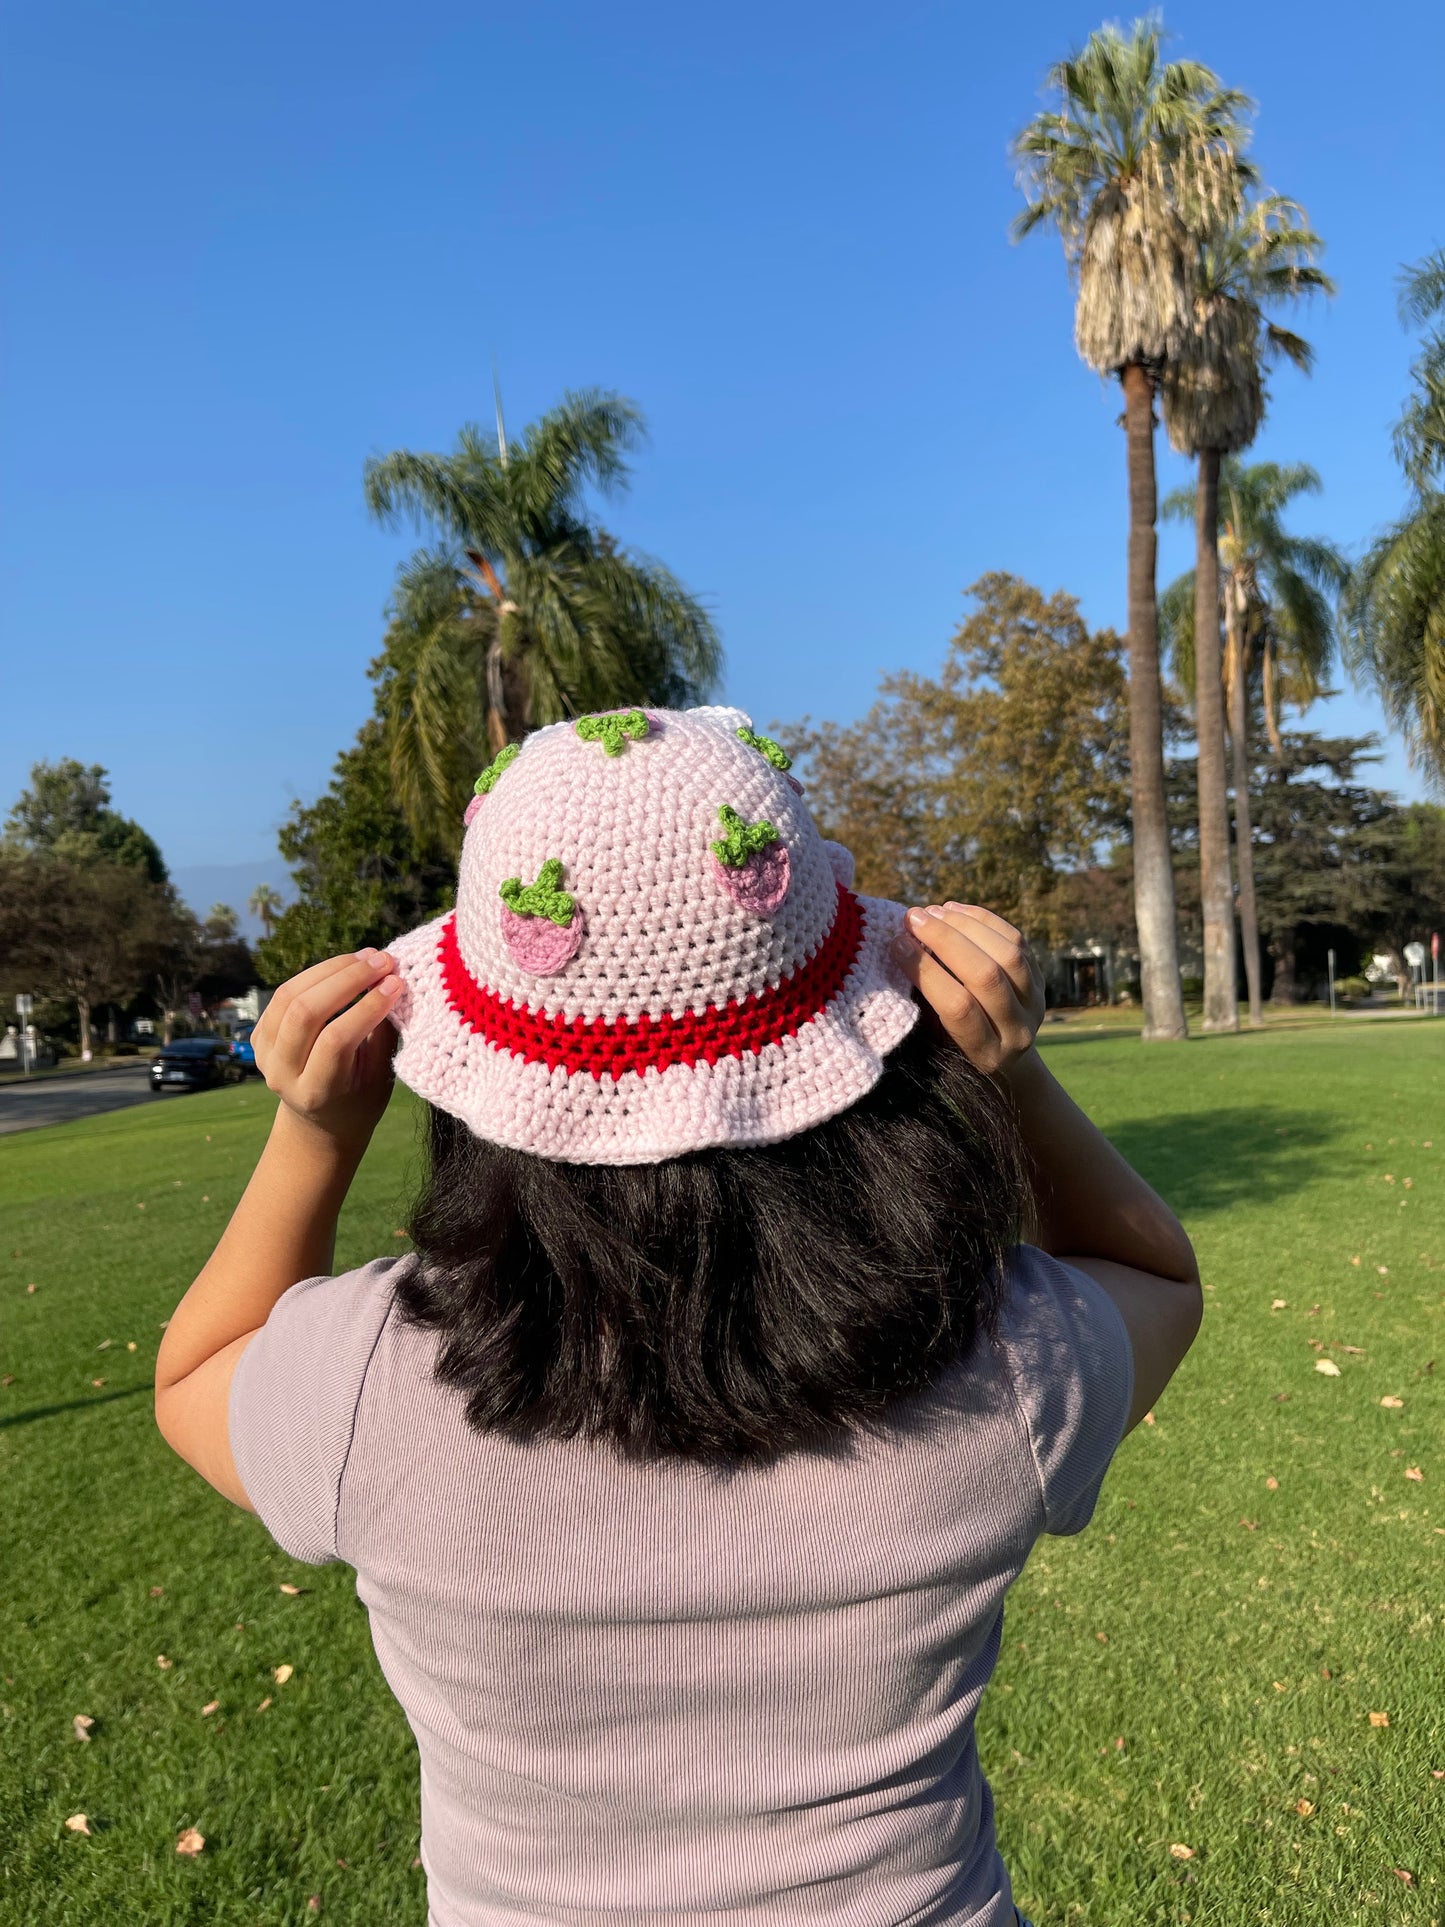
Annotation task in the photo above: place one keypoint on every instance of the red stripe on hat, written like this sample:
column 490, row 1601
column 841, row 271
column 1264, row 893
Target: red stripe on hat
column 608, row 1046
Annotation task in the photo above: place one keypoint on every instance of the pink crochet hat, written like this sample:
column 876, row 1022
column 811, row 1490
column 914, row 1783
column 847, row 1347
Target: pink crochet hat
column 653, row 950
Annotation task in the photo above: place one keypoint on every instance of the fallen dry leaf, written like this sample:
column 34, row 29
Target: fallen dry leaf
column 1279, row 1685
column 1280, row 1304
column 313, row 1905
column 282, row 1673
column 1354, row 1261
column 264, row 1704
column 1304, row 1808
column 1328, row 1367
column 158, row 1592
column 294, row 1591
column 1119, row 1744
column 1271, row 1484
column 1437, row 1773
column 1384, row 1270
column 1103, row 1638
column 30, row 1289
column 104, row 1345
column 1250, row 1525
column 97, row 1382
column 1180, row 1852
column 1404, row 1873
column 77, row 1823
column 8, row 1379
column 1391, row 1403
column 1148, row 1418
column 1414, row 1472
column 214, row 1706
column 1379, row 1719
column 82, row 1724
column 130, row 1344
column 191, row 1842
column 164, row 1663
column 1325, row 1673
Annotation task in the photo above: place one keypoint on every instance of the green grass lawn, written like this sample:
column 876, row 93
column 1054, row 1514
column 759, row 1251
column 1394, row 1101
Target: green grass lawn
column 1198, row 1670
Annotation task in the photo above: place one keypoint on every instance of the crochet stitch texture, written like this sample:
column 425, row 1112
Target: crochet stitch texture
column 690, row 1014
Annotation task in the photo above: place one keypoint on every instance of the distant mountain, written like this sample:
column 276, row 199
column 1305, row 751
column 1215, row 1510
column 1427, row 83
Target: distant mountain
column 202, row 884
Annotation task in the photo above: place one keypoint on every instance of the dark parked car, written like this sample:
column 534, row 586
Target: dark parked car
column 192, row 1064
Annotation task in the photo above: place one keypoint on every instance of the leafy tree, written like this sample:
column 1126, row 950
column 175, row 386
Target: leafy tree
column 265, row 903
column 66, row 814
column 992, row 781
column 362, row 875
column 76, row 933
column 1128, row 169
column 1278, row 592
column 529, row 611
column 1259, row 255
column 1337, row 859
column 1395, row 625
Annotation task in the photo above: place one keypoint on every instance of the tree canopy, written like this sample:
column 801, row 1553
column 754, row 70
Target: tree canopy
column 66, row 813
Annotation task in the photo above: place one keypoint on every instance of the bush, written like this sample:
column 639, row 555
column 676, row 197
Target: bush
column 1192, row 986
column 1353, row 990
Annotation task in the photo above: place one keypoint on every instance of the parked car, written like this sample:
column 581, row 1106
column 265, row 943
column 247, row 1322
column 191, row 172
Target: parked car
column 192, row 1064
column 243, row 1057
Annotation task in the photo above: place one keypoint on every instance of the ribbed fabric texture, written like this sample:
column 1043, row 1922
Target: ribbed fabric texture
column 667, row 1695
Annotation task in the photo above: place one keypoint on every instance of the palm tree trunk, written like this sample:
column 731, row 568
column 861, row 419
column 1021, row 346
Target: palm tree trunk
column 496, row 694
column 1243, row 830
column 1153, row 871
column 1271, row 702
column 1216, row 886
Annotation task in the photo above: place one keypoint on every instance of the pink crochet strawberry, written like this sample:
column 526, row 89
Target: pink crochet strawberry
column 541, row 924
column 751, row 862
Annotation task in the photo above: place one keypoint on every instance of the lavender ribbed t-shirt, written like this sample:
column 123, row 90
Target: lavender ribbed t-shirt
column 663, row 1696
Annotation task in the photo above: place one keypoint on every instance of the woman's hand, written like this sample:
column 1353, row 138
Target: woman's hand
column 978, row 977
column 324, row 1045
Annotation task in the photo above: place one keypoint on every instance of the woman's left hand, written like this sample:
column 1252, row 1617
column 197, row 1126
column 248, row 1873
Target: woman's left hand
column 324, row 1045
column 979, row 978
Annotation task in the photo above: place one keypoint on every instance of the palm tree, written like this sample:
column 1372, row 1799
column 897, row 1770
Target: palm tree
column 1278, row 592
column 1213, row 393
column 1126, row 170
column 530, row 612
column 1395, row 606
column 265, row 903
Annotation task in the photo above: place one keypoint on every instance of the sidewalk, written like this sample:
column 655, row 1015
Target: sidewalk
column 72, row 1067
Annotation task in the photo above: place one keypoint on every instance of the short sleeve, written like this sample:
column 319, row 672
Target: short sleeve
column 1073, row 1371
column 293, row 1403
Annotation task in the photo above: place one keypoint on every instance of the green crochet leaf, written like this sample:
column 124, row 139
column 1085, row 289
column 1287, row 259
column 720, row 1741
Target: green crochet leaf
column 775, row 753
column 612, row 731
column 503, row 760
column 743, row 840
column 544, row 898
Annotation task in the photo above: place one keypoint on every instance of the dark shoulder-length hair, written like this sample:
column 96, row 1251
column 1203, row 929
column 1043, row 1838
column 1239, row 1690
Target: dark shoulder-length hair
column 730, row 1305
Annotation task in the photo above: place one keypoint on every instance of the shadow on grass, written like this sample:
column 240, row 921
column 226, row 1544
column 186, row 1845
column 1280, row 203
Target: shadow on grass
column 74, row 1405
column 1202, row 1161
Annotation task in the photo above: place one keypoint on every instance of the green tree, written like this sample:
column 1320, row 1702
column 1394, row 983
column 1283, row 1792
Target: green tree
column 1395, row 609
column 265, row 903
column 74, row 932
column 530, row 611
column 1127, row 169
column 1278, row 593
column 996, row 779
column 1260, row 255
column 66, row 813
column 362, row 875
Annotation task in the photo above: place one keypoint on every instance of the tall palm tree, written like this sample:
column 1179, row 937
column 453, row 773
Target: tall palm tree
column 1395, row 606
column 530, row 612
column 1126, row 169
column 1278, row 592
column 265, row 903
column 1213, row 392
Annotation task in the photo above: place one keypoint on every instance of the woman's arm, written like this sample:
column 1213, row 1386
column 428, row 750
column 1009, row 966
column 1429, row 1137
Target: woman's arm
column 332, row 1072
column 976, row 973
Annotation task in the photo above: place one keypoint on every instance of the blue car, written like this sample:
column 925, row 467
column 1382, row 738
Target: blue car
column 243, row 1058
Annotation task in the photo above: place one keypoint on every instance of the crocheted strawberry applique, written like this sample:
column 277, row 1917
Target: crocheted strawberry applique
column 775, row 753
column 751, row 862
column 541, row 924
column 613, row 730
column 487, row 781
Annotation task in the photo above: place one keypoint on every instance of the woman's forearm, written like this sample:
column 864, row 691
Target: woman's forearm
column 283, row 1230
column 1091, row 1202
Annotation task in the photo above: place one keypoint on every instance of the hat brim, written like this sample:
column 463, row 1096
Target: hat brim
column 758, row 1096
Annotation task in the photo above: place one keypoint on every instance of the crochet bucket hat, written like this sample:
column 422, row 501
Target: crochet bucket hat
column 653, row 950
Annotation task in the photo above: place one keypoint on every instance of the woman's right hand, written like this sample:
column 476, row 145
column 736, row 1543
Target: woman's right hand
column 978, row 977
column 324, row 1046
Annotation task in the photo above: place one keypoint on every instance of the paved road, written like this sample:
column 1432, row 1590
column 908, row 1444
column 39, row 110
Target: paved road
column 54, row 1100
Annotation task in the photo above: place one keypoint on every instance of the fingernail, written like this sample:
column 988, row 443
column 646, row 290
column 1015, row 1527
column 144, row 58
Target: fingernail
column 389, row 986
column 373, row 957
column 918, row 919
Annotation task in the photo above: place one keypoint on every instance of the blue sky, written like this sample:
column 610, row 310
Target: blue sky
column 247, row 250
